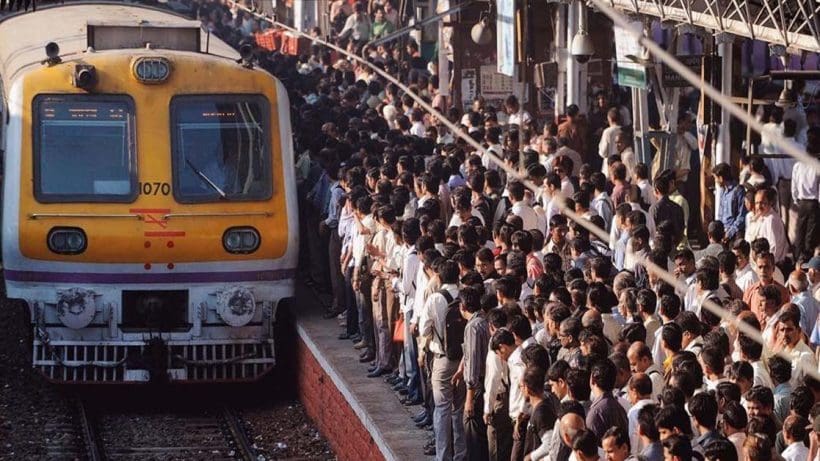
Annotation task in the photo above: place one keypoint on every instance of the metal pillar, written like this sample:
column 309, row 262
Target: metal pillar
column 573, row 67
column 560, row 57
column 723, row 153
column 305, row 16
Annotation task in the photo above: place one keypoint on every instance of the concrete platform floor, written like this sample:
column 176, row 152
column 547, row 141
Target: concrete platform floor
column 388, row 421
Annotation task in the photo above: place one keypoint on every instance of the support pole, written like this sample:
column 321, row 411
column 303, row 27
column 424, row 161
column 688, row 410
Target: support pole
column 573, row 67
column 561, row 57
column 723, row 153
column 305, row 16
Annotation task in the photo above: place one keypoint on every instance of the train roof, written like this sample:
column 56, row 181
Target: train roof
column 23, row 36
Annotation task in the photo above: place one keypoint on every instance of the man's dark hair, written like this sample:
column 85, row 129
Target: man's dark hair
column 780, row 370
column 720, row 450
column 669, row 306
column 761, row 395
column 535, row 356
column 704, row 408
column 646, row 422
column 714, row 359
column 558, row 371
column 585, row 442
column 678, row 445
column 689, row 323
column 578, row 383
column 795, row 427
column 508, row 286
column 740, row 370
column 497, row 318
column 673, row 417
column 672, row 335
column 534, row 379
column 802, row 401
column 502, row 336
column 750, row 348
column 735, row 415
column 603, row 374
column 727, row 391
column 646, row 301
column 621, row 437
column 448, row 272
column 520, row 327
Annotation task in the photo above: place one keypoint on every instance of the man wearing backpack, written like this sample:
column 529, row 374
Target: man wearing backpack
column 444, row 327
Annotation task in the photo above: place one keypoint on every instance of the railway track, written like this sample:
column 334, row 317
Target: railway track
column 170, row 434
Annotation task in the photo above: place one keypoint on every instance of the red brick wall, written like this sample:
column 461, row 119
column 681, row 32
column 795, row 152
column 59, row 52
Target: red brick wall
column 333, row 415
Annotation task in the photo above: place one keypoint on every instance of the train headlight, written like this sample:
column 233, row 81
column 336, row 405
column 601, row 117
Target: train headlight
column 151, row 70
column 236, row 306
column 241, row 240
column 67, row 240
column 76, row 307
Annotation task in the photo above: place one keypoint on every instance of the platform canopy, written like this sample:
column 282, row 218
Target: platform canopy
column 794, row 24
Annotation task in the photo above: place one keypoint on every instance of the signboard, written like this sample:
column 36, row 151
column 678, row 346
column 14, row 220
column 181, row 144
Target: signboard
column 469, row 85
column 671, row 79
column 505, row 41
column 496, row 86
column 627, row 51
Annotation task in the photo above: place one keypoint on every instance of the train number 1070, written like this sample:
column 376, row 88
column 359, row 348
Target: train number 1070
column 154, row 188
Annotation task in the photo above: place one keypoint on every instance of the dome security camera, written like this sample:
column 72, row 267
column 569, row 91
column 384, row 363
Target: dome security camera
column 582, row 48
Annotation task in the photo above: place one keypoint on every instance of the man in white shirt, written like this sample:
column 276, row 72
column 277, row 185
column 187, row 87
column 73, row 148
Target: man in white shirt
column 496, row 383
column 805, row 192
column 448, row 424
column 640, row 395
column 791, row 343
column 745, row 275
column 519, row 406
column 640, row 361
column 607, row 147
column 516, row 116
column 767, row 224
column 406, row 289
column 794, row 432
column 520, row 208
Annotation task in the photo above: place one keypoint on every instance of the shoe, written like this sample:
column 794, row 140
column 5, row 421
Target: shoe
column 410, row 402
column 360, row 345
column 393, row 380
column 364, row 353
column 330, row 314
column 355, row 338
column 343, row 324
column 366, row 358
column 344, row 335
column 377, row 373
column 424, row 422
column 342, row 315
column 420, row 417
column 403, row 391
column 372, row 368
column 430, row 450
column 399, row 385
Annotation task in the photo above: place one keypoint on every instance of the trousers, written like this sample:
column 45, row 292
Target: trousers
column 410, row 359
column 363, row 305
column 334, row 251
column 448, row 416
column 807, row 230
column 475, row 431
column 352, row 316
column 499, row 431
column 385, row 312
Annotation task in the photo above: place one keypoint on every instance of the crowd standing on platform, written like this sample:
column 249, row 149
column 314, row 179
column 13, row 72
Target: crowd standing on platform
column 517, row 332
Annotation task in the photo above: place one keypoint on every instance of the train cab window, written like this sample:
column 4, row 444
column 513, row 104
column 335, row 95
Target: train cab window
column 84, row 148
column 221, row 148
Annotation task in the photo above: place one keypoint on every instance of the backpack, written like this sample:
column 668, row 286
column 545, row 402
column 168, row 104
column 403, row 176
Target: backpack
column 454, row 325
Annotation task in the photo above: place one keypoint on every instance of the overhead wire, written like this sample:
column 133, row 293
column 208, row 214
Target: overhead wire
column 670, row 60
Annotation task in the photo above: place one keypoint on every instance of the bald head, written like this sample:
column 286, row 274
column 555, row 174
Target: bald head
column 639, row 356
column 592, row 318
column 571, row 425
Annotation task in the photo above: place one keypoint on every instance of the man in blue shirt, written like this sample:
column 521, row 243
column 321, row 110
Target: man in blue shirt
column 731, row 213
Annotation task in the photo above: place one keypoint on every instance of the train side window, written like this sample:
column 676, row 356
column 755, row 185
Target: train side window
column 221, row 148
column 84, row 148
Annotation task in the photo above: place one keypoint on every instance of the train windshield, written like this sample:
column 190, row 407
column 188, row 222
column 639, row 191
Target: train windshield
column 84, row 148
column 220, row 148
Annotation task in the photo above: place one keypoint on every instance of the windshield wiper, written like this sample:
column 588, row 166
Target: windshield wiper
column 207, row 180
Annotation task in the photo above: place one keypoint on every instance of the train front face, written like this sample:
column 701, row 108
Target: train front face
column 150, row 216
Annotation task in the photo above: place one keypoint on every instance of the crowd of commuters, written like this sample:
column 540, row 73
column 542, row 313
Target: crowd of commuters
column 517, row 332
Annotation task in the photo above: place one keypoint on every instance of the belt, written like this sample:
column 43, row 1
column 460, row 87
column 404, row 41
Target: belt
column 811, row 200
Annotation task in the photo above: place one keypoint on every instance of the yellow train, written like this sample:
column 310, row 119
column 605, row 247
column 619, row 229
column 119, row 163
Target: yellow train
column 149, row 208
